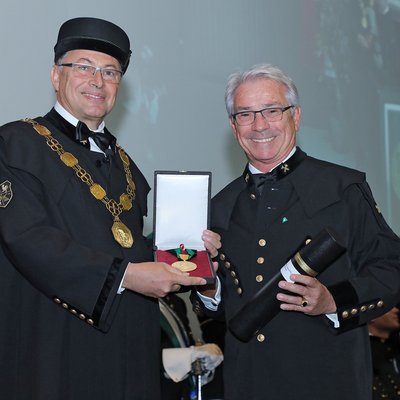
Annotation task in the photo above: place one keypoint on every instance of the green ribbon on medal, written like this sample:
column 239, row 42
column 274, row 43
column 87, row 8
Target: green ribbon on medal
column 184, row 255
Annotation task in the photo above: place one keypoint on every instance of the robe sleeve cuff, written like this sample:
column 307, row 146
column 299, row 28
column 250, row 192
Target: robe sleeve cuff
column 346, row 299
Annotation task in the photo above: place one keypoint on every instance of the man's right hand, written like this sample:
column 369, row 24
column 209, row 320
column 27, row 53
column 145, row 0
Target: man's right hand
column 157, row 279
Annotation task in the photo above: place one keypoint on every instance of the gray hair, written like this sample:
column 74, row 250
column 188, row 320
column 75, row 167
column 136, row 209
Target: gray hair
column 61, row 59
column 261, row 71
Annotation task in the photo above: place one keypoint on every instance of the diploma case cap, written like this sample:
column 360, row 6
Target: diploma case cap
column 93, row 34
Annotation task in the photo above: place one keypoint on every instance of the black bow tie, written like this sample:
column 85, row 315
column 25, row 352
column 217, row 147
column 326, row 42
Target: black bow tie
column 102, row 139
column 260, row 179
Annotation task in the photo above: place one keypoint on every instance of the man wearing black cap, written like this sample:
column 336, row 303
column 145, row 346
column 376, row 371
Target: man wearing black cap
column 78, row 288
column 315, row 347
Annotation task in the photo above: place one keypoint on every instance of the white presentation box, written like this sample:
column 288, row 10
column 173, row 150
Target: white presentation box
column 181, row 214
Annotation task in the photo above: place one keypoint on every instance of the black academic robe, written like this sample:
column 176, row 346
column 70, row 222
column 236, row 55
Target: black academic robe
column 386, row 383
column 65, row 333
column 295, row 356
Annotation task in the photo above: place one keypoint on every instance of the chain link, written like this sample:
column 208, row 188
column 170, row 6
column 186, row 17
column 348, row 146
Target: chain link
column 111, row 205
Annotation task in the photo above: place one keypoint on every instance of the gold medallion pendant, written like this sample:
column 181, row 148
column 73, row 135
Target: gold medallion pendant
column 184, row 265
column 122, row 234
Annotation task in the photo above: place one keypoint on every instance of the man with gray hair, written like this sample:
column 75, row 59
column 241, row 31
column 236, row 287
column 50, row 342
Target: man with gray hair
column 316, row 346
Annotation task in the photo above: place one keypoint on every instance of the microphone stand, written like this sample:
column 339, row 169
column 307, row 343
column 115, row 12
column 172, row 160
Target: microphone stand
column 198, row 371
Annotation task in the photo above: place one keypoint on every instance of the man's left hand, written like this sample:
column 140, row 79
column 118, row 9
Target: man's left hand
column 212, row 242
column 308, row 295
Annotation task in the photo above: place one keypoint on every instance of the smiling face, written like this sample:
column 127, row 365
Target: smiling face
column 87, row 99
column 266, row 144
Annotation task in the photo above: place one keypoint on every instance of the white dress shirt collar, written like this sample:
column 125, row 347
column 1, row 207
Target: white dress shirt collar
column 254, row 170
column 72, row 120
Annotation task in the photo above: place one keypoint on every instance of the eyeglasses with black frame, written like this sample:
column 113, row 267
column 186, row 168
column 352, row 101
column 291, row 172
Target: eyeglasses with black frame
column 270, row 114
column 87, row 71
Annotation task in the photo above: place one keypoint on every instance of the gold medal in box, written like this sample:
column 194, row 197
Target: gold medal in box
column 183, row 256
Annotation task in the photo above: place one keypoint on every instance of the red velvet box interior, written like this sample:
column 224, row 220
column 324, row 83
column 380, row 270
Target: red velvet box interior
column 202, row 260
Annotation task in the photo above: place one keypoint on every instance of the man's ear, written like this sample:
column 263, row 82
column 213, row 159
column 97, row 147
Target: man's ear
column 233, row 126
column 55, row 76
column 297, row 117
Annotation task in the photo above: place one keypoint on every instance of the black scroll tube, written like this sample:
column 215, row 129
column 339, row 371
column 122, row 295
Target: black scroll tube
column 310, row 260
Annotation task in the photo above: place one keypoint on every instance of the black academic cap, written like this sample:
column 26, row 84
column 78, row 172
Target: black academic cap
column 93, row 34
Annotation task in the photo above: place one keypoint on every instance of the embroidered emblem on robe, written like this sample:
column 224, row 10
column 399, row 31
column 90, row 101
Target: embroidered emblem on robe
column 6, row 194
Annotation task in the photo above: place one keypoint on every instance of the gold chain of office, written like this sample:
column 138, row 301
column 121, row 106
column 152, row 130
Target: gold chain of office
column 121, row 232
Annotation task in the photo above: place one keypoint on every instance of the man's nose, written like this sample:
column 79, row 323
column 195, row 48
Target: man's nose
column 260, row 122
column 97, row 78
